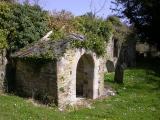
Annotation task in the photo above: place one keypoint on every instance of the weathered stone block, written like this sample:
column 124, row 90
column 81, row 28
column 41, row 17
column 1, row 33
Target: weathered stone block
column 3, row 62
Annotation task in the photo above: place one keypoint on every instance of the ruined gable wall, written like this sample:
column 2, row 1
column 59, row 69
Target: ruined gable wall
column 110, row 59
column 109, row 49
column 66, row 74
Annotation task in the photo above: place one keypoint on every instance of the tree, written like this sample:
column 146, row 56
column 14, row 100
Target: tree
column 10, row 1
column 144, row 15
column 62, row 20
column 24, row 24
column 20, row 25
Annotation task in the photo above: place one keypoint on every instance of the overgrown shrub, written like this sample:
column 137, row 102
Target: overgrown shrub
column 24, row 24
column 96, row 30
column 3, row 41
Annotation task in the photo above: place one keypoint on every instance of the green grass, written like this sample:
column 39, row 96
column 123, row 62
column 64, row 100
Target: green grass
column 137, row 99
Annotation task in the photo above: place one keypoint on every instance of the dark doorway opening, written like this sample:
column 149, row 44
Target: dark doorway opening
column 84, row 77
column 115, row 48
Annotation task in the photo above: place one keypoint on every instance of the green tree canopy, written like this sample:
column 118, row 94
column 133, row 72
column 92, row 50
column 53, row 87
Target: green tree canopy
column 24, row 24
column 145, row 16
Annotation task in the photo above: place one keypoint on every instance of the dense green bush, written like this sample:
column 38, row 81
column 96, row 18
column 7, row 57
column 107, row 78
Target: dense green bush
column 24, row 24
column 97, row 32
column 3, row 41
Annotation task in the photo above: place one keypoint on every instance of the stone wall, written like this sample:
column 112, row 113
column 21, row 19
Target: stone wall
column 57, row 80
column 3, row 62
column 144, row 49
column 66, row 74
column 111, row 58
column 109, row 49
column 37, row 80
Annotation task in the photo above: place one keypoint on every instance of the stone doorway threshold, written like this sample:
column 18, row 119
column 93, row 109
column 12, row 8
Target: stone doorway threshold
column 82, row 102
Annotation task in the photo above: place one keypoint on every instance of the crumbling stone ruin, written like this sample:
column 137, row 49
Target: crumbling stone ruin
column 65, row 76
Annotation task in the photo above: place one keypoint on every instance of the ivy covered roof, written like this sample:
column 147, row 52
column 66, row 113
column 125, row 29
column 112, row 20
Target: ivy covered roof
column 47, row 48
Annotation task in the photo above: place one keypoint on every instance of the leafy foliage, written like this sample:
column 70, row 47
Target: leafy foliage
column 24, row 24
column 3, row 41
column 121, row 31
column 86, row 24
column 144, row 15
column 94, row 43
column 96, row 31
column 11, row 1
column 62, row 21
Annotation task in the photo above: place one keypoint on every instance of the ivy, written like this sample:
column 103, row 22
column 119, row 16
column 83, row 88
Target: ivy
column 92, row 42
column 96, row 31
column 3, row 41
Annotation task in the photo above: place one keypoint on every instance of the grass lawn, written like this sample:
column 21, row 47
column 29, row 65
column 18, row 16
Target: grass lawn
column 137, row 99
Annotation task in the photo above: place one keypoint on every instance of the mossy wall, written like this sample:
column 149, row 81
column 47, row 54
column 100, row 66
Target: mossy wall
column 3, row 62
column 37, row 80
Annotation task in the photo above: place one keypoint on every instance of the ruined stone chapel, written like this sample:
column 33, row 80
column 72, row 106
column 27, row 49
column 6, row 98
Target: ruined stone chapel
column 67, row 74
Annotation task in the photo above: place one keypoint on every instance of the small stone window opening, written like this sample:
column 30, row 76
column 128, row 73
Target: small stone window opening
column 115, row 48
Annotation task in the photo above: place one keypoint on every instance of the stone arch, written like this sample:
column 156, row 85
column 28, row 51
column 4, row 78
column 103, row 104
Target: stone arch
column 85, row 76
column 110, row 66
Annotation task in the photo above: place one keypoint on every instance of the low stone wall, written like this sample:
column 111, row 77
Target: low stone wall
column 3, row 62
column 37, row 80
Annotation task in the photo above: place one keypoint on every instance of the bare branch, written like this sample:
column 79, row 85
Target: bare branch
column 91, row 3
column 101, row 8
column 36, row 2
column 93, row 8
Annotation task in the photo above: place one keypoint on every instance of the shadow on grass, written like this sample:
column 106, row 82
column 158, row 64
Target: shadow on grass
column 145, row 76
column 152, row 67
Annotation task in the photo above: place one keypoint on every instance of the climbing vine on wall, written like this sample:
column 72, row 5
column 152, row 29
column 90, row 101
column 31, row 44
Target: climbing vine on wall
column 96, row 30
column 3, row 41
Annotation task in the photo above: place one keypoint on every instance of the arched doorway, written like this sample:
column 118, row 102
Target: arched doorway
column 84, row 76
